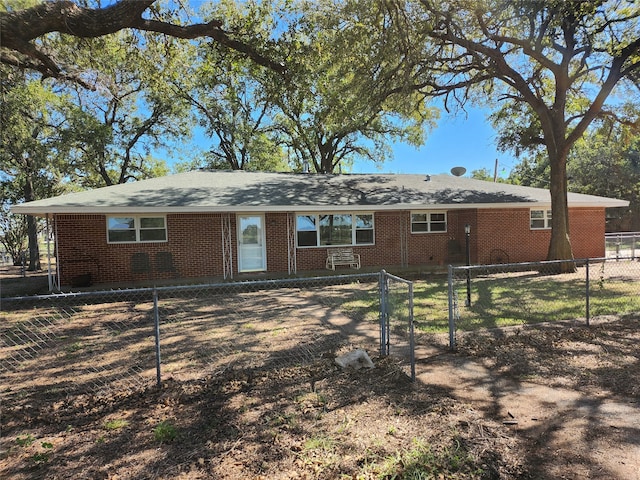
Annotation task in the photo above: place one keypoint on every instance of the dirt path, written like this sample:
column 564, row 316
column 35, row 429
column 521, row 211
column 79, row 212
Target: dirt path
column 571, row 433
column 570, row 392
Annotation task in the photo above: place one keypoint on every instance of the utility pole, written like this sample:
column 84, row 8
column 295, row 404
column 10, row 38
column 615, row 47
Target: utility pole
column 495, row 172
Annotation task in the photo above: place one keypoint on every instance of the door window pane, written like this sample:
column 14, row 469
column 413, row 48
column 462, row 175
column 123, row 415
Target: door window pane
column 251, row 254
column 250, row 234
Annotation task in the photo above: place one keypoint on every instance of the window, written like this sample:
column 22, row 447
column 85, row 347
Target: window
column 540, row 219
column 136, row 229
column 121, row 229
column 152, row 229
column 307, row 231
column 364, row 229
column 427, row 222
column 334, row 229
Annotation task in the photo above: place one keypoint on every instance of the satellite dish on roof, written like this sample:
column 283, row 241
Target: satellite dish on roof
column 458, row 171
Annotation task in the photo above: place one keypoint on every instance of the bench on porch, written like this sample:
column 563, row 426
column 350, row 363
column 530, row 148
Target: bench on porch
column 342, row 256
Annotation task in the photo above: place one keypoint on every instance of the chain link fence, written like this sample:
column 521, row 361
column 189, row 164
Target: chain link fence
column 622, row 245
column 497, row 296
column 101, row 343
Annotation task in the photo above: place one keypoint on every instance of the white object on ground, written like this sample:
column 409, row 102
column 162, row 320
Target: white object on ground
column 357, row 359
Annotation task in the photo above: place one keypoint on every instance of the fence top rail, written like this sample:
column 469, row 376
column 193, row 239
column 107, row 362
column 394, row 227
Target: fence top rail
column 394, row 277
column 272, row 283
column 577, row 261
column 622, row 235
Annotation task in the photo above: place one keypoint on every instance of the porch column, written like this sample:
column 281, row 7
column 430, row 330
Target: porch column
column 227, row 246
column 291, row 243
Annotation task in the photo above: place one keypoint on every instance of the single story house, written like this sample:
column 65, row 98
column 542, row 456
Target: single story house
column 227, row 223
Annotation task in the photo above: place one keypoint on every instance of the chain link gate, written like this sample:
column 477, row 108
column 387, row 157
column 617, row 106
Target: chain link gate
column 396, row 320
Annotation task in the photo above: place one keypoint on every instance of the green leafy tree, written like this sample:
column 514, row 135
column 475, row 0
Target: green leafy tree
column 14, row 233
column 32, row 122
column 532, row 171
column 345, row 95
column 560, row 60
column 132, row 112
column 607, row 162
column 227, row 92
column 482, row 174
column 13, row 228
column 26, row 31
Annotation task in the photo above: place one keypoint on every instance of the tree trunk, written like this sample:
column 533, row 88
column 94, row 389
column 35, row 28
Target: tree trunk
column 34, row 248
column 635, row 214
column 326, row 164
column 32, row 227
column 559, row 245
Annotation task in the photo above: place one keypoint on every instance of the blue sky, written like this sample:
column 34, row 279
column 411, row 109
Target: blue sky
column 463, row 140
column 466, row 140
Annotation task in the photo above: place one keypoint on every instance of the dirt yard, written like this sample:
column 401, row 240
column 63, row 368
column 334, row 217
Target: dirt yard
column 550, row 402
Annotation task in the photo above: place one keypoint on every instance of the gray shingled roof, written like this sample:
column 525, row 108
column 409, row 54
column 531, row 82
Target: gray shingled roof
column 239, row 191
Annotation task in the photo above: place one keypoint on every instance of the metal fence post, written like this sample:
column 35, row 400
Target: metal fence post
column 383, row 312
column 452, row 325
column 156, row 321
column 412, row 346
column 588, row 299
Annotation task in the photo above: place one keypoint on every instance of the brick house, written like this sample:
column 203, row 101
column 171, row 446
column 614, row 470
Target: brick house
column 227, row 224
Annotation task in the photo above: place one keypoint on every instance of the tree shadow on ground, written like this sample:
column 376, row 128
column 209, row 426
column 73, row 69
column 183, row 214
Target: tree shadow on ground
column 571, row 389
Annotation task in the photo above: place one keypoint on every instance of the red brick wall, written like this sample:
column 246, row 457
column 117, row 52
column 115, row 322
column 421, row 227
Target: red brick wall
column 502, row 236
column 195, row 243
column 277, row 243
column 490, row 240
column 586, row 229
column 429, row 248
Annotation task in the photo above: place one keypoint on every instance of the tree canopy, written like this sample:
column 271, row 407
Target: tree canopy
column 22, row 32
column 347, row 93
column 552, row 64
column 230, row 98
column 32, row 150
column 134, row 112
column 358, row 75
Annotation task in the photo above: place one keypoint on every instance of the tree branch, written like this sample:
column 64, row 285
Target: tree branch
column 19, row 28
column 616, row 72
column 7, row 58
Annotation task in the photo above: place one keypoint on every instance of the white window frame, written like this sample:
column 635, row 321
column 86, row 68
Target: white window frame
column 137, row 221
column 546, row 218
column 429, row 221
column 354, row 228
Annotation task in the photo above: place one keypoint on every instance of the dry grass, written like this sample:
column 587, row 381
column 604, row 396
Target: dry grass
column 259, row 396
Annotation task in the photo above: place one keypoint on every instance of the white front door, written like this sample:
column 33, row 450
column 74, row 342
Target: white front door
column 251, row 251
